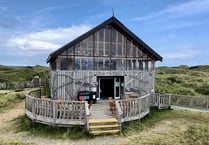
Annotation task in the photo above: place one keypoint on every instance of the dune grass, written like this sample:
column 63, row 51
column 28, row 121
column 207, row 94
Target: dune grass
column 183, row 80
column 169, row 127
column 23, row 124
column 160, row 127
column 9, row 100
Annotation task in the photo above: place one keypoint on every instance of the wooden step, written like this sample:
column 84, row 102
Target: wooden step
column 108, row 120
column 104, row 132
column 104, row 126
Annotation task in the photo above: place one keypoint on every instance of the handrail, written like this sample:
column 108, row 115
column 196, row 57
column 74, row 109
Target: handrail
column 132, row 109
column 56, row 112
column 163, row 101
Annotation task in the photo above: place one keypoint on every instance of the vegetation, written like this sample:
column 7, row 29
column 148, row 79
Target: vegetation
column 22, row 73
column 14, row 142
column 74, row 132
column 183, row 80
column 160, row 127
column 169, row 127
column 9, row 100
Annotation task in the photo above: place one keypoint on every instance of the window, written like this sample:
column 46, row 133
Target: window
column 107, row 35
column 113, row 52
column 101, row 35
column 64, row 63
column 70, row 51
column 87, row 63
column 107, row 49
column 114, row 36
column 77, row 49
column 70, row 63
column 117, row 64
column 78, row 63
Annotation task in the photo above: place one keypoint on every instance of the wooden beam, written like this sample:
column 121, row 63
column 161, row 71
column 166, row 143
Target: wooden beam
column 153, row 65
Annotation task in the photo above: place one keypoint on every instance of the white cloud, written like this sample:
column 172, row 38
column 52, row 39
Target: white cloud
column 181, row 53
column 193, row 7
column 46, row 40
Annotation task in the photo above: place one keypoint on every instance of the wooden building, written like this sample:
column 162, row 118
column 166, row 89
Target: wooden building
column 109, row 58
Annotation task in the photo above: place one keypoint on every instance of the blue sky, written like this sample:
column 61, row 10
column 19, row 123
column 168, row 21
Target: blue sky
column 177, row 29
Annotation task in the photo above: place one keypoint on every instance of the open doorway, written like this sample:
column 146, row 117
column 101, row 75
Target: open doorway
column 106, row 88
column 110, row 87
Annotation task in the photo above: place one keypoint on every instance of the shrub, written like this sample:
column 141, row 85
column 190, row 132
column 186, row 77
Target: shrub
column 204, row 89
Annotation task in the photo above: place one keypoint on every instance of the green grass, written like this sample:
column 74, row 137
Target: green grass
column 13, row 142
column 22, row 73
column 178, row 126
column 169, row 127
column 23, row 124
column 9, row 100
column 183, row 80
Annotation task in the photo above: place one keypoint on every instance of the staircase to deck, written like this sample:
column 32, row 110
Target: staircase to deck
column 102, row 120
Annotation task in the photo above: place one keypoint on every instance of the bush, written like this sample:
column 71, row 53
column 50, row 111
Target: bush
column 204, row 89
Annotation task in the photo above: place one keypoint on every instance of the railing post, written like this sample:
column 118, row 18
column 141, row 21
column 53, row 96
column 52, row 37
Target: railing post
column 33, row 109
column 86, row 114
column 169, row 101
column 54, row 113
column 159, row 101
column 191, row 102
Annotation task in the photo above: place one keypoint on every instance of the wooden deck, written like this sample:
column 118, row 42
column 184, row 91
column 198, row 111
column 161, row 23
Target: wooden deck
column 101, row 110
column 101, row 118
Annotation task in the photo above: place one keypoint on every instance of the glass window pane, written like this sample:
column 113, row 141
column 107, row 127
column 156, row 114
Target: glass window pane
column 64, row 53
column 90, row 46
column 70, row 51
column 106, row 63
column 113, row 52
column 70, row 64
column 77, row 49
column 101, row 35
column 96, row 48
column 78, row 63
column 129, row 64
column 107, row 34
column 117, row 64
column 63, row 63
column 84, row 63
column 87, row 63
column 129, row 49
column 107, row 49
column 120, row 38
column 120, row 50
column 101, row 49
column 113, row 35
column 84, row 48
column 135, row 51
column 90, row 63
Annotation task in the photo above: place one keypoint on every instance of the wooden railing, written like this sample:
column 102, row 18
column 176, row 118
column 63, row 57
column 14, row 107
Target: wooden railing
column 190, row 101
column 56, row 112
column 164, row 101
column 132, row 109
column 161, row 101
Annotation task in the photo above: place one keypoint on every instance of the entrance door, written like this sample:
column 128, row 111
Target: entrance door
column 109, row 87
column 106, row 87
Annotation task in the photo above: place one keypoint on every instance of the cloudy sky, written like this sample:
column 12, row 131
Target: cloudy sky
column 31, row 29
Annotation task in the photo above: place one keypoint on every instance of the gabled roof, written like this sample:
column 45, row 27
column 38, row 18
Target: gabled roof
column 111, row 21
